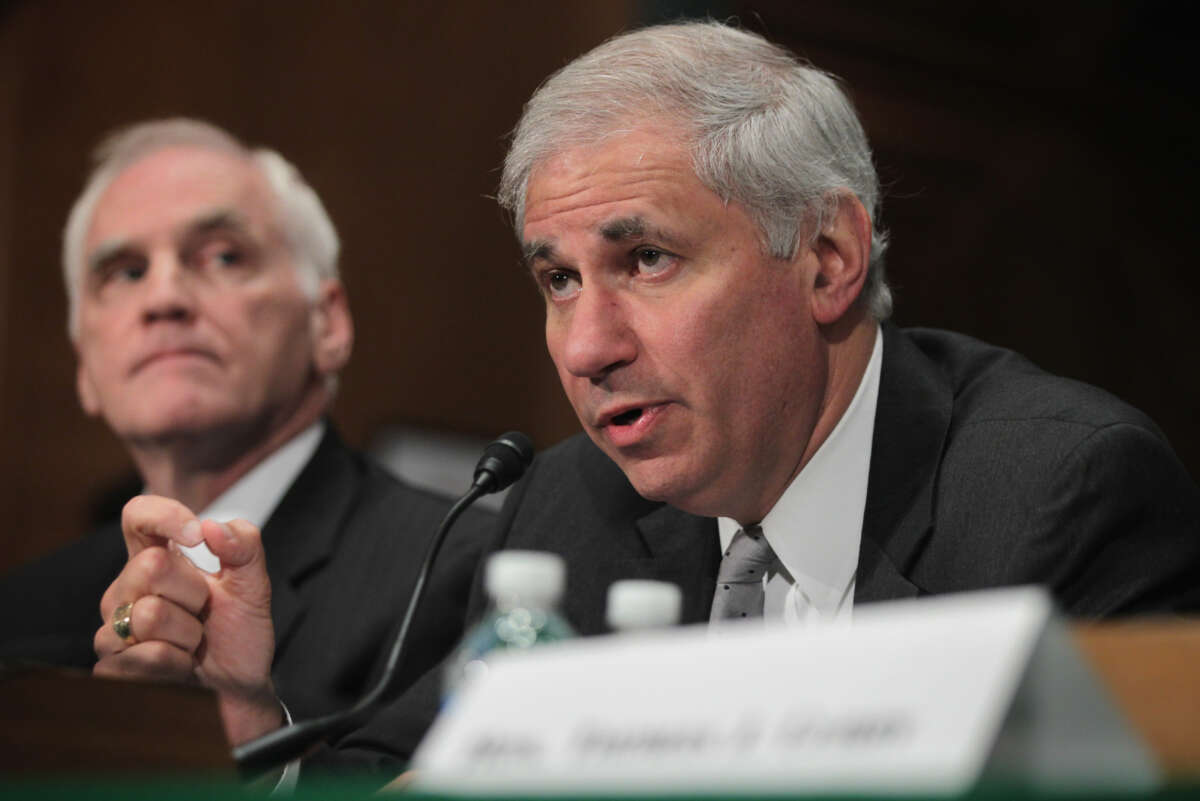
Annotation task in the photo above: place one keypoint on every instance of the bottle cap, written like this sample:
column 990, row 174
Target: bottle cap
column 640, row 604
column 531, row 576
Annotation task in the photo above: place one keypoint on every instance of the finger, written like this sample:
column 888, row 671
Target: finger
column 238, row 545
column 157, row 571
column 158, row 661
column 106, row 642
column 151, row 519
column 155, row 618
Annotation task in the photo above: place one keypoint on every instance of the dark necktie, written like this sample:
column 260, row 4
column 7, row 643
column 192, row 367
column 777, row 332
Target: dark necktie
column 739, row 592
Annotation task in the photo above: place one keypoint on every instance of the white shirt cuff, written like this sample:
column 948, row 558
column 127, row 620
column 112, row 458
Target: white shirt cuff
column 291, row 772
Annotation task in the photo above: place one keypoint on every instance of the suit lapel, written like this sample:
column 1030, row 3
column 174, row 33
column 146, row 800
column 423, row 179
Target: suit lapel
column 303, row 530
column 622, row 536
column 911, row 421
column 684, row 550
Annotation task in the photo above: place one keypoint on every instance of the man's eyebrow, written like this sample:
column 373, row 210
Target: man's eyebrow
column 219, row 220
column 615, row 230
column 537, row 250
column 107, row 252
column 635, row 227
column 623, row 228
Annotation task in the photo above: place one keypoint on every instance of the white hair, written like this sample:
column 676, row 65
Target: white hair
column 764, row 129
column 306, row 227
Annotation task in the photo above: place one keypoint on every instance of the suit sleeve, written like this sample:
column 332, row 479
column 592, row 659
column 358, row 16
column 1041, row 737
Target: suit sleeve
column 50, row 608
column 1125, row 515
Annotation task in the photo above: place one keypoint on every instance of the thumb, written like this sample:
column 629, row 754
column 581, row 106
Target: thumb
column 238, row 545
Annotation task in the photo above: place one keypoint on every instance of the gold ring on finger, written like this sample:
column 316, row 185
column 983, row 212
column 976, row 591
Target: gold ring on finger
column 122, row 622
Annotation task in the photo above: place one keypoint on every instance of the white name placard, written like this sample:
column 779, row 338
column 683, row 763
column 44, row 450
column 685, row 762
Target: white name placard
column 915, row 696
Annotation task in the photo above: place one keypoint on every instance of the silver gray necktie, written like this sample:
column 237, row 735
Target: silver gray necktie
column 739, row 591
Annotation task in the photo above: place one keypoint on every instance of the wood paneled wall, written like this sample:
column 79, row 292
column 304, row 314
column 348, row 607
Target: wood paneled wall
column 1037, row 165
column 396, row 112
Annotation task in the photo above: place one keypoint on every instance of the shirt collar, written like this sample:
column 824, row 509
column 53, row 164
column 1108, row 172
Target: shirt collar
column 815, row 527
column 255, row 495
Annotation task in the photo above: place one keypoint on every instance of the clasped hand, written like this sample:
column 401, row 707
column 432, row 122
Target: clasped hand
column 190, row 626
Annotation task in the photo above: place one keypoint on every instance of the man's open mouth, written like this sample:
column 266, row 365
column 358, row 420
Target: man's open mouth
column 627, row 418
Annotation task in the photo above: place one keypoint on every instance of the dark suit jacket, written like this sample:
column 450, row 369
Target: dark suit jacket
column 985, row 471
column 343, row 549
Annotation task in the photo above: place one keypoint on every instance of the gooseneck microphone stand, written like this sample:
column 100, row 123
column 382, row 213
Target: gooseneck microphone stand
column 502, row 463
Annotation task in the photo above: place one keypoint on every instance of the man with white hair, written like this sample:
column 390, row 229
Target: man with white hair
column 210, row 324
column 700, row 212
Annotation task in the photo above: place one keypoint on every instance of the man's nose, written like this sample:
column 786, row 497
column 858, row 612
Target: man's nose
column 169, row 291
column 598, row 337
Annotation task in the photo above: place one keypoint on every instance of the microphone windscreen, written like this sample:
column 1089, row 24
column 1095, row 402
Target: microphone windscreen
column 504, row 461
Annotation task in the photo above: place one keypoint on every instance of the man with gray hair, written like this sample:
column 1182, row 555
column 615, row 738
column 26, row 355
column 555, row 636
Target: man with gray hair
column 700, row 213
column 210, row 324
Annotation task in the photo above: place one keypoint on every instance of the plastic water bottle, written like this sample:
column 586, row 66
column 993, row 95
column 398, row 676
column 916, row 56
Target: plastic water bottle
column 637, row 604
column 525, row 588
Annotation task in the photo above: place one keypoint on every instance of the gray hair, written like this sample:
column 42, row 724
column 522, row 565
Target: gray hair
column 765, row 130
column 306, row 226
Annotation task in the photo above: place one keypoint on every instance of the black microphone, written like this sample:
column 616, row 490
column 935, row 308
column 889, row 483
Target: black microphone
column 502, row 463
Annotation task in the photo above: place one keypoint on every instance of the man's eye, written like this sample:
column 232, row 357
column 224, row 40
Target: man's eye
column 122, row 272
column 220, row 254
column 226, row 257
column 229, row 257
column 651, row 261
column 561, row 284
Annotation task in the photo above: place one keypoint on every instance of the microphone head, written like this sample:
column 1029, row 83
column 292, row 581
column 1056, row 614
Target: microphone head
column 503, row 461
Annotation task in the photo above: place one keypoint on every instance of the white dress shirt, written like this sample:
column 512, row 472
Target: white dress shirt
column 254, row 496
column 815, row 527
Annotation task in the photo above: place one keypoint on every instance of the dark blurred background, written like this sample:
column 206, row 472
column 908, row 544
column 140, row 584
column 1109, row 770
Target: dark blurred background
column 1038, row 160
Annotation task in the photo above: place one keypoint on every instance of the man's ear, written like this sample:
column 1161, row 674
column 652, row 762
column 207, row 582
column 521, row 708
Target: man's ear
column 843, row 251
column 332, row 328
column 89, row 399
